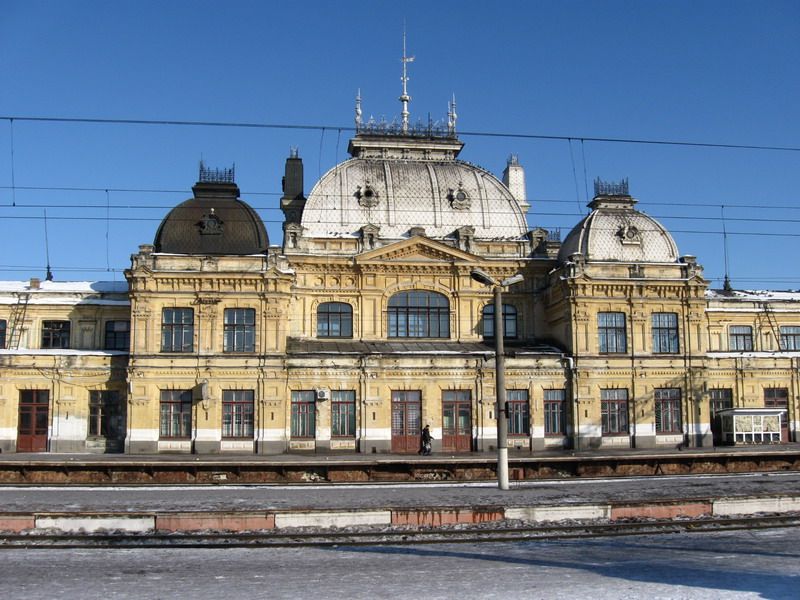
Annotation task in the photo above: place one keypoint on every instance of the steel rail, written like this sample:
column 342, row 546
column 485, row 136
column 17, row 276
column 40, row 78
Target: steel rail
column 391, row 537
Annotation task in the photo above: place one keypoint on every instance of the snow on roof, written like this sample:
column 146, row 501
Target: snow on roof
column 61, row 352
column 111, row 293
column 73, row 287
column 753, row 354
column 754, row 295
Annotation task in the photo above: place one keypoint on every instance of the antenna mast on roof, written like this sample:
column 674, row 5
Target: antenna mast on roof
column 358, row 110
column 405, row 98
column 726, row 283
column 451, row 116
column 49, row 273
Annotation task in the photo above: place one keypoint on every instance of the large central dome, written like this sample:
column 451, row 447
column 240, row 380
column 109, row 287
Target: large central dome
column 400, row 181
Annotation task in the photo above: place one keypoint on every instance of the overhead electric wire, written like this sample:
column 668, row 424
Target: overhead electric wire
column 245, row 193
column 250, row 125
column 321, row 128
column 123, row 207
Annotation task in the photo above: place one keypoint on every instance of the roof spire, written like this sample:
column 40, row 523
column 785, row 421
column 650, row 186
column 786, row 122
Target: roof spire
column 358, row 110
column 405, row 98
column 452, row 116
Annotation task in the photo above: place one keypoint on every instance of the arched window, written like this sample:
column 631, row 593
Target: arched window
column 419, row 315
column 509, row 321
column 335, row 319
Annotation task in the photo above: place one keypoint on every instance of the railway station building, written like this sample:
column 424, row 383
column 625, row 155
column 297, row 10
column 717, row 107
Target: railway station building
column 374, row 315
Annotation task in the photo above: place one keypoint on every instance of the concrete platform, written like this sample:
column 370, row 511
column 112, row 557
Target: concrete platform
column 241, row 508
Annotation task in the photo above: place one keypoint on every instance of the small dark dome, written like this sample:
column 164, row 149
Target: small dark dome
column 214, row 222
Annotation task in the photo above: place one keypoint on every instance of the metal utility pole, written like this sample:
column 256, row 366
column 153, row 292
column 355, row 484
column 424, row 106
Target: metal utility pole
column 500, row 370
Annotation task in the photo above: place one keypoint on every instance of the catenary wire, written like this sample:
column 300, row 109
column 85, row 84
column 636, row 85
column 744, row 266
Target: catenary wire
column 117, row 190
column 493, row 134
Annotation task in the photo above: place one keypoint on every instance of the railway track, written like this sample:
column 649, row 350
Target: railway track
column 390, row 537
column 195, row 470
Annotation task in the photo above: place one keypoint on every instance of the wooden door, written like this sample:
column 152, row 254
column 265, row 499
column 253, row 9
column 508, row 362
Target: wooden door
column 779, row 398
column 406, row 421
column 34, row 418
column 456, row 421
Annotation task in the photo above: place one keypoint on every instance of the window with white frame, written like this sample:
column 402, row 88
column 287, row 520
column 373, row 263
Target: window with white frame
column 790, row 337
column 177, row 330
column 612, row 336
column 176, row 414
column 740, row 337
column 555, row 412
column 343, row 413
column 239, row 330
column 518, row 412
column 665, row 333
column 304, row 413
column 238, row 411
column 614, row 411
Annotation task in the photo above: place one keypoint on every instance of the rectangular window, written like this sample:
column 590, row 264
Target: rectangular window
column 105, row 414
column 55, row 334
column 343, row 413
column 509, row 321
column 611, row 332
column 790, row 337
column 518, row 412
column 240, row 330
column 118, row 335
column 720, row 399
column 2, row 333
column 614, row 411
column 237, row 413
column 555, row 415
column 778, row 398
column 176, row 414
column 303, row 413
column 335, row 319
column 665, row 333
column 741, row 337
column 177, row 330
column 668, row 410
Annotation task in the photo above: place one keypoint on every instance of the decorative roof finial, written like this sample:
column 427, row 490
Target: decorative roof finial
column 358, row 110
column 451, row 115
column 405, row 98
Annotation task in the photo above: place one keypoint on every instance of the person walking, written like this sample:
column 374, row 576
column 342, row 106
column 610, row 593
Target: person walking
column 425, row 441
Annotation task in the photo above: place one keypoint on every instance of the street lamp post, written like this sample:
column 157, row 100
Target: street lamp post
column 500, row 370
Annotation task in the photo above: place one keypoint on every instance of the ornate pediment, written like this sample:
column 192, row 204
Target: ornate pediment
column 416, row 250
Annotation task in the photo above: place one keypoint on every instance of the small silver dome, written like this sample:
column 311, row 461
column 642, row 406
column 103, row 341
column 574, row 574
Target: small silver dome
column 616, row 231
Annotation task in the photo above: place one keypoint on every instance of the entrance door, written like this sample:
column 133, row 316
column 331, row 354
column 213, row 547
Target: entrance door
column 34, row 406
column 456, row 421
column 406, row 422
column 779, row 398
column 719, row 399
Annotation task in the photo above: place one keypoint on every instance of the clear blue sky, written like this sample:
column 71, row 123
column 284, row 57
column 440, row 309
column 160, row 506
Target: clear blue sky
column 723, row 72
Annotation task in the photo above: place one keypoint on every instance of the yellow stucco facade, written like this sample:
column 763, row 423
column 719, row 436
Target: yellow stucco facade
column 368, row 322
